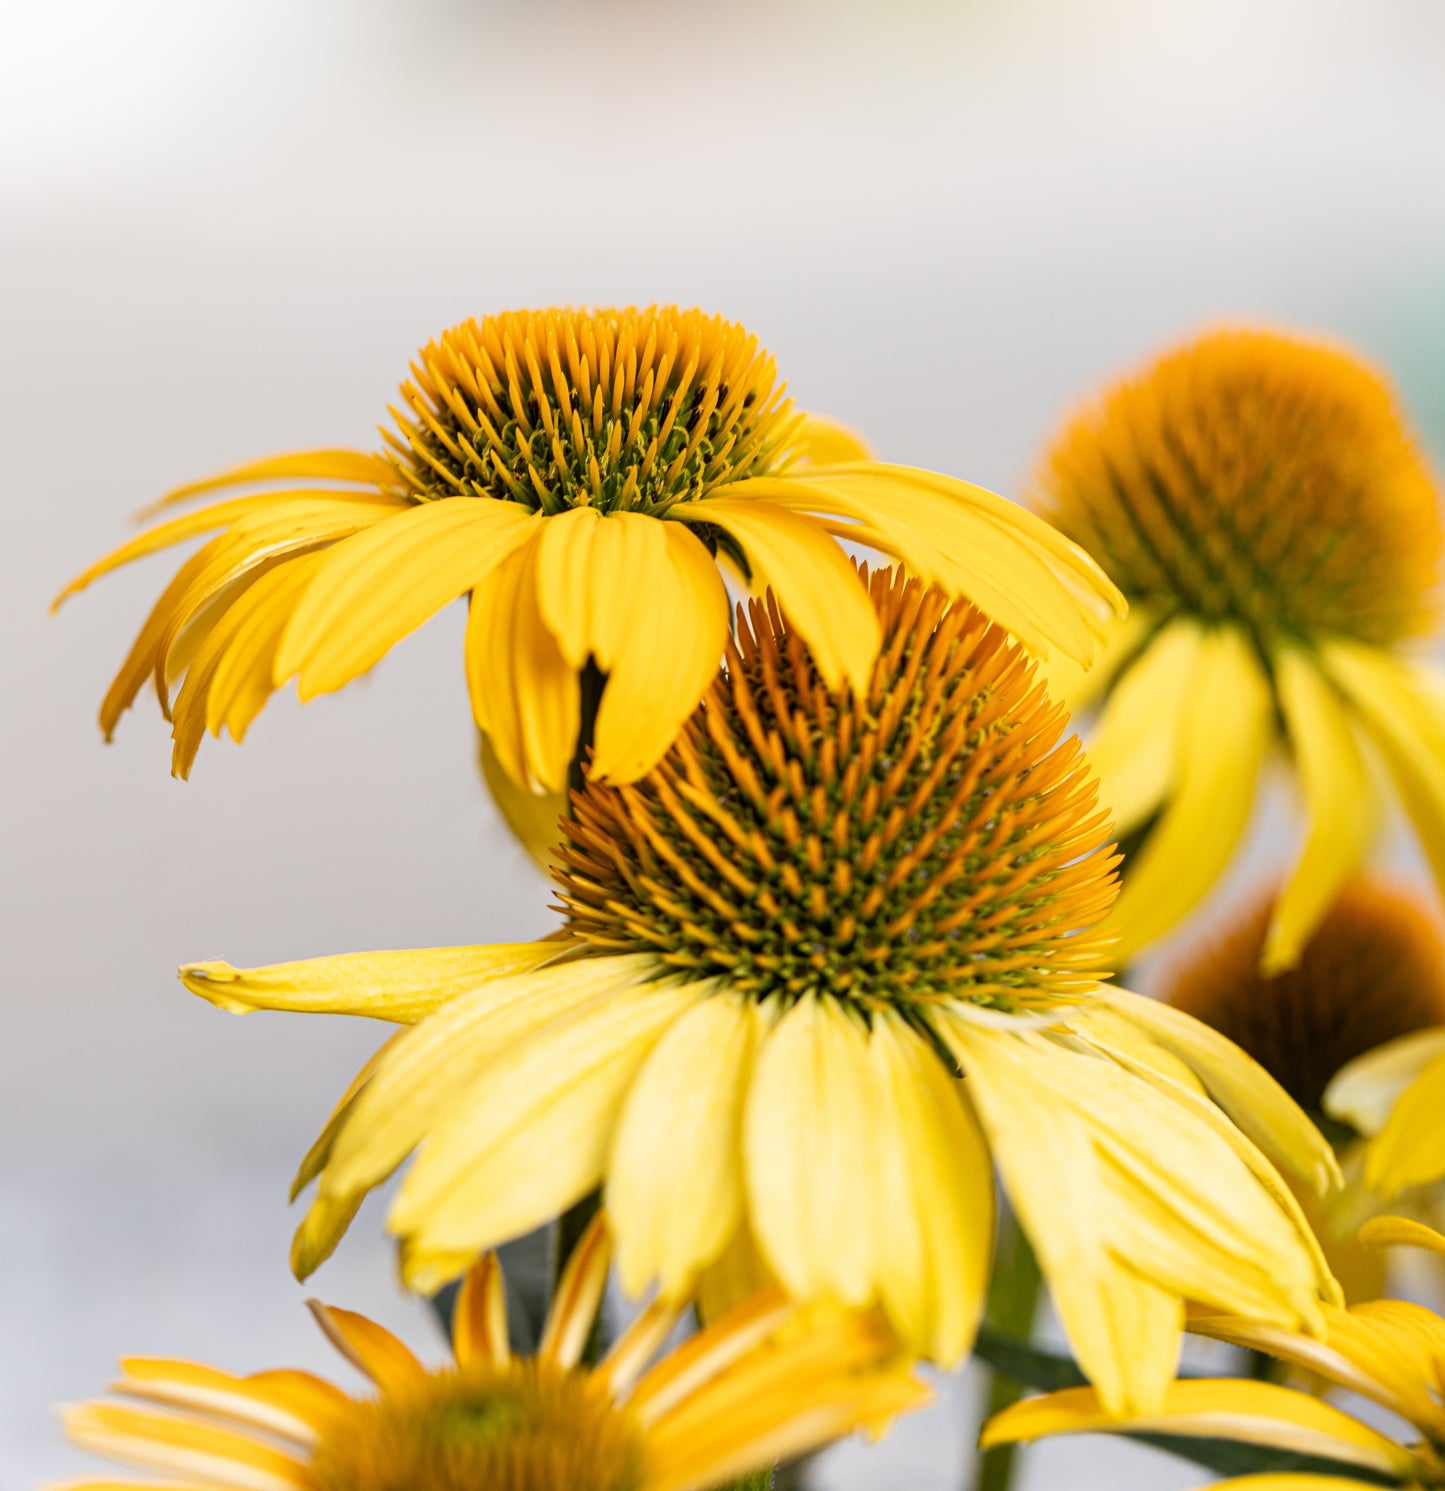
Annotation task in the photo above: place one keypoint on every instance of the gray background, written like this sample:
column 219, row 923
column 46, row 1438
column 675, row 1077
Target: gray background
column 226, row 227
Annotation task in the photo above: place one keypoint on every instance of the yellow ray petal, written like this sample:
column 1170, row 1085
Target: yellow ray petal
column 1363, row 1093
column 1077, row 685
column 1292, row 1481
column 532, row 817
column 1251, row 1097
column 1410, row 1149
column 808, row 1154
column 628, row 1356
column 1401, row 1232
column 402, row 987
column 1247, row 1412
column 823, row 441
column 326, row 1222
column 479, row 1321
column 534, row 1137
column 370, row 1348
column 293, row 1405
column 357, row 466
column 934, row 1196
column 183, row 1447
column 1135, row 746
column 1401, row 709
column 674, row 1188
column 1032, row 580
column 814, row 581
column 1338, row 798
column 524, row 696
column 443, row 1058
column 376, row 588
column 1224, row 735
column 578, row 1297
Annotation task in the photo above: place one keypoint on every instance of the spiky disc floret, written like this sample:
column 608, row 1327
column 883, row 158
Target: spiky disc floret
column 1257, row 478
column 524, row 1426
column 932, row 841
column 622, row 410
column 1374, row 970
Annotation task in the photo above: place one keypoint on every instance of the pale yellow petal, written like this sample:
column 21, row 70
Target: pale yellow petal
column 1225, row 732
column 402, row 987
column 1247, row 1412
column 1410, row 1149
column 808, row 1150
column 1402, row 710
column 359, row 467
column 442, row 1060
column 378, row 587
column 1363, row 1093
column 532, row 817
column 524, row 695
column 933, row 1196
column 321, row 1230
column 814, row 581
column 1026, row 575
column 823, row 442
column 674, row 1187
column 1251, row 1097
column 1338, row 799
column 1135, row 746
column 534, row 1137
column 1401, row 1232
column 1077, row 685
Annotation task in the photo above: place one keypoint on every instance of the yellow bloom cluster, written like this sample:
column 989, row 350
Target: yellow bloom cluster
column 838, row 903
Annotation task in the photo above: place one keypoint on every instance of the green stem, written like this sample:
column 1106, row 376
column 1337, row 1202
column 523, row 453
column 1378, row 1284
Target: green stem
column 1013, row 1297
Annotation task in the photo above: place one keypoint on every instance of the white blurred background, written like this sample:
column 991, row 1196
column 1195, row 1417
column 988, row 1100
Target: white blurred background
column 225, row 228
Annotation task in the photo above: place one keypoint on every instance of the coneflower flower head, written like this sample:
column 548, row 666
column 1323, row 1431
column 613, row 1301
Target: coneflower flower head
column 765, row 1382
column 1265, row 507
column 782, row 948
column 578, row 475
column 1372, row 971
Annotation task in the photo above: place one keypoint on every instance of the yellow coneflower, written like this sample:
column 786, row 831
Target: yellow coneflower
column 1388, row 1351
column 1371, row 974
column 767, row 1381
column 780, row 949
column 608, row 460
column 1266, row 510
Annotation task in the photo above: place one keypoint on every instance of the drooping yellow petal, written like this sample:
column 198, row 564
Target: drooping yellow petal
column 291, row 1405
column 534, row 1136
column 644, row 599
column 360, row 467
column 479, row 1321
column 1364, row 1091
column 1026, row 575
column 370, row 1348
column 1404, row 715
column 814, row 581
column 326, row 1222
column 524, row 695
column 1401, row 1232
column 823, row 442
column 443, row 1059
column 1224, row 735
column 933, row 1196
column 1337, row 795
column 375, row 589
column 1077, row 685
column 1135, row 746
column 674, row 1185
column 1253, row 1099
column 201, row 1453
column 402, row 987
column 1246, row 1412
column 808, row 1152
column 531, row 816
column 1410, row 1149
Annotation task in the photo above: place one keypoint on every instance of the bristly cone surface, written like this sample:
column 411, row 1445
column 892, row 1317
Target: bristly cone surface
column 1255, row 478
column 930, row 840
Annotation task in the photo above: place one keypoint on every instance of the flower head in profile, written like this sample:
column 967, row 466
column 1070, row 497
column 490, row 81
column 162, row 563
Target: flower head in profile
column 818, row 971
column 1370, row 980
column 578, row 475
column 1267, row 511
column 1388, row 1351
column 766, row 1381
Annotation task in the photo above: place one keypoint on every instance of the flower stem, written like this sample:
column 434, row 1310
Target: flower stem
column 1013, row 1297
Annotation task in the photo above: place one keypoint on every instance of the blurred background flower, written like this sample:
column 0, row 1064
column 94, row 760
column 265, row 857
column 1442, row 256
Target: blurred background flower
column 225, row 229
